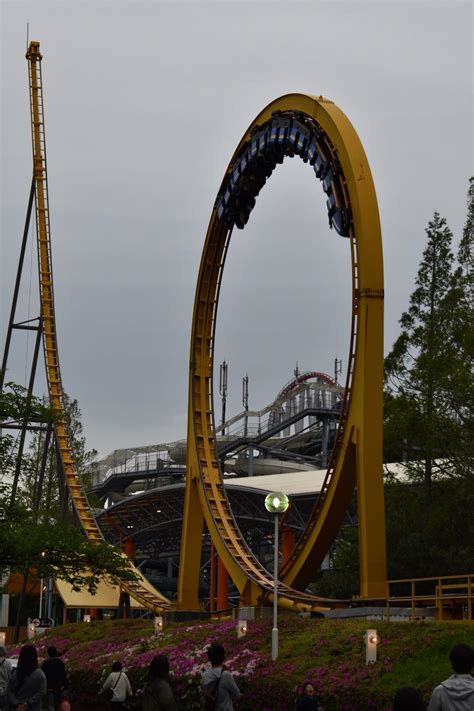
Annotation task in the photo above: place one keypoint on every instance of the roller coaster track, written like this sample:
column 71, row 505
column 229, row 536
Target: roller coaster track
column 140, row 589
column 318, row 131
column 302, row 378
column 242, row 442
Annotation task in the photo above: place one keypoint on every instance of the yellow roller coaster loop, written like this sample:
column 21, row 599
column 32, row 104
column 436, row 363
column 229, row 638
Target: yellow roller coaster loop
column 319, row 132
column 141, row 589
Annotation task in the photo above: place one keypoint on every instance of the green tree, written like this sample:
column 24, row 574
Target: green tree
column 50, row 499
column 418, row 418
column 13, row 405
column 458, row 381
column 342, row 579
column 54, row 549
column 16, row 407
column 42, row 545
column 428, row 533
column 428, row 418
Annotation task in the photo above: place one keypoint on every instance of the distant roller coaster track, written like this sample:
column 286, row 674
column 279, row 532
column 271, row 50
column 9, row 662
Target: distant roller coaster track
column 303, row 378
column 319, row 132
column 140, row 589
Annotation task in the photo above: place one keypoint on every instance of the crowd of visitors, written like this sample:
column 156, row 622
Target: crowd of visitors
column 29, row 688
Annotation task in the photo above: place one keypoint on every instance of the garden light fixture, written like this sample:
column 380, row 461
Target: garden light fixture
column 242, row 628
column 371, row 641
column 158, row 624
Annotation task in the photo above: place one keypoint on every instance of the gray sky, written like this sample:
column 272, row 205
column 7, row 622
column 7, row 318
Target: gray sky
column 144, row 105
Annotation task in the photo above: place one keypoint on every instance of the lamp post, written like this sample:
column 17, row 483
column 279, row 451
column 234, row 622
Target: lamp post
column 276, row 503
column 43, row 554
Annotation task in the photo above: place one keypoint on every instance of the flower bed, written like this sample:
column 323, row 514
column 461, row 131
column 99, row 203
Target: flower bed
column 330, row 653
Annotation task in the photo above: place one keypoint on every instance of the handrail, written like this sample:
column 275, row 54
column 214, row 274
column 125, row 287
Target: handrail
column 440, row 593
column 272, row 407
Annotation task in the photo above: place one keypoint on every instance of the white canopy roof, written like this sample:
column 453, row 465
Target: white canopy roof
column 306, row 482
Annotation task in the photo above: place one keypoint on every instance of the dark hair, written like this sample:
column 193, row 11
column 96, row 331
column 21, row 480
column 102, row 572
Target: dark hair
column 462, row 658
column 27, row 660
column 305, row 684
column 52, row 652
column 408, row 699
column 117, row 666
column 216, row 654
column 159, row 668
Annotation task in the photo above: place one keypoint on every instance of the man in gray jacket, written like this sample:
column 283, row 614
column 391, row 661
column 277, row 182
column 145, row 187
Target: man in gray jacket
column 218, row 685
column 457, row 692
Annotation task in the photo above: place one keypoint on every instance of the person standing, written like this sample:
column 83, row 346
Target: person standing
column 457, row 692
column 27, row 686
column 56, row 679
column 157, row 694
column 408, row 699
column 218, row 685
column 5, row 675
column 308, row 700
column 118, row 683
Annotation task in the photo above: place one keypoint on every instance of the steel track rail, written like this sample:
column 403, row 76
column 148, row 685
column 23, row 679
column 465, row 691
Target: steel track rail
column 322, row 135
column 140, row 590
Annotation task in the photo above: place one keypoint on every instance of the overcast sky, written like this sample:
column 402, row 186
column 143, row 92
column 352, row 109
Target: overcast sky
column 145, row 103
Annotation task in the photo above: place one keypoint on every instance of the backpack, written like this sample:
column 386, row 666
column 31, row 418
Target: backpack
column 210, row 697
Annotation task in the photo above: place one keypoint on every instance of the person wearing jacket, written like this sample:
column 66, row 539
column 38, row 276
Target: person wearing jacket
column 27, row 686
column 5, row 675
column 56, row 679
column 157, row 694
column 120, row 685
column 219, row 678
column 457, row 692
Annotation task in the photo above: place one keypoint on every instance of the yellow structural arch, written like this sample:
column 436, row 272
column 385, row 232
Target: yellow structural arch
column 317, row 130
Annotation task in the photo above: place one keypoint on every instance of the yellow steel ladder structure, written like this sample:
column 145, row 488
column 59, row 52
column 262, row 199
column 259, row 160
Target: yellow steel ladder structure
column 140, row 590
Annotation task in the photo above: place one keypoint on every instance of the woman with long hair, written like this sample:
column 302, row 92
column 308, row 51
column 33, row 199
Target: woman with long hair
column 27, row 687
column 157, row 694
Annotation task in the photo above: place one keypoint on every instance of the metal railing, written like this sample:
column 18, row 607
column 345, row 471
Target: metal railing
column 141, row 462
column 449, row 594
column 324, row 399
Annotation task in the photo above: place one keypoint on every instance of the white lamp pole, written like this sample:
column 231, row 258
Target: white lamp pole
column 276, row 503
column 275, row 595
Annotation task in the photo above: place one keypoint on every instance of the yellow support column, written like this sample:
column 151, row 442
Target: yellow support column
column 191, row 545
column 369, row 475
